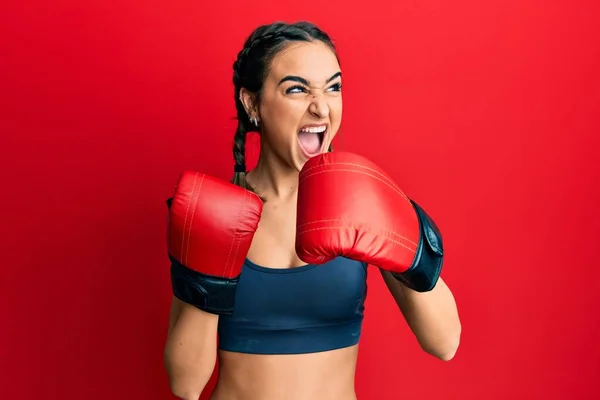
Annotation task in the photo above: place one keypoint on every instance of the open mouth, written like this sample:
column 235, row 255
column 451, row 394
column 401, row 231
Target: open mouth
column 312, row 138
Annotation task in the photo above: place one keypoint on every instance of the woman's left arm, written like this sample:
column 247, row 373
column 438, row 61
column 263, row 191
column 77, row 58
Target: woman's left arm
column 432, row 316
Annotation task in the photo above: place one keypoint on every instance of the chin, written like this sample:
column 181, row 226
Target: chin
column 299, row 164
column 301, row 157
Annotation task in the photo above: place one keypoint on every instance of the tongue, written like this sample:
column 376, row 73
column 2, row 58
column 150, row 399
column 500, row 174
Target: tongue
column 309, row 142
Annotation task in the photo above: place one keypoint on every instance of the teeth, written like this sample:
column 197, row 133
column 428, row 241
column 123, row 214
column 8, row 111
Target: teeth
column 314, row 129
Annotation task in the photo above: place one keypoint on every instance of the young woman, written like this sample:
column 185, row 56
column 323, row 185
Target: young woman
column 286, row 329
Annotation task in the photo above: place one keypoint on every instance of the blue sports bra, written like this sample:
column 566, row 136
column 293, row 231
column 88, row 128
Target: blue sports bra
column 307, row 309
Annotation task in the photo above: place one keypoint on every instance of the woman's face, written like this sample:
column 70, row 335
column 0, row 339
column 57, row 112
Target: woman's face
column 301, row 103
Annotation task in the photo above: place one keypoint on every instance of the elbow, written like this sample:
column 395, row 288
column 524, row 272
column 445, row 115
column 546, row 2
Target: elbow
column 185, row 393
column 444, row 353
column 186, row 383
column 448, row 354
column 446, row 350
column 186, row 389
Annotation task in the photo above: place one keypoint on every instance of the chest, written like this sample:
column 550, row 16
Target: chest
column 274, row 241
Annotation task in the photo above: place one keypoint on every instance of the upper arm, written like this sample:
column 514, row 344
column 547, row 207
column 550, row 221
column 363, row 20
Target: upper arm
column 407, row 298
column 432, row 316
column 416, row 307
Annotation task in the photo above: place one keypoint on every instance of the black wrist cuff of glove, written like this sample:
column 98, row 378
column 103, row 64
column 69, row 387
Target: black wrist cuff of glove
column 425, row 271
column 215, row 295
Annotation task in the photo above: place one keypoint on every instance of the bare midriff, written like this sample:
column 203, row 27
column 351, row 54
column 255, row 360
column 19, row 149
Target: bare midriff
column 327, row 375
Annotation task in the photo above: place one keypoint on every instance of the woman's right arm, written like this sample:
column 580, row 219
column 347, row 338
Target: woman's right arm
column 191, row 349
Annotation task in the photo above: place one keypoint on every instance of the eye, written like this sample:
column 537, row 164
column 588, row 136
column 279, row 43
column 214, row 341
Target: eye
column 335, row 88
column 296, row 89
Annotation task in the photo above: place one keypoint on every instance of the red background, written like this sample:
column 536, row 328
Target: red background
column 487, row 113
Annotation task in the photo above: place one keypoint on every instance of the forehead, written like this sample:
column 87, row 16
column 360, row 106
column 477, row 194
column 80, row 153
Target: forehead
column 313, row 61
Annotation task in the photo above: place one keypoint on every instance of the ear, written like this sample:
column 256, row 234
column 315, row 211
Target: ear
column 248, row 100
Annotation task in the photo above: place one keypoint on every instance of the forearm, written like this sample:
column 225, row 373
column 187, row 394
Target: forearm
column 432, row 316
column 190, row 352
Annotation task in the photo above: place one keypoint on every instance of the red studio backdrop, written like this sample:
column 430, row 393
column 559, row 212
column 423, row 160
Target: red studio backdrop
column 487, row 113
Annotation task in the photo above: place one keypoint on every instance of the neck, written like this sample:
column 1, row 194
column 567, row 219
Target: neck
column 273, row 179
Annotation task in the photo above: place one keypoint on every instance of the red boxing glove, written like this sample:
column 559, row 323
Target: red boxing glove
column 347, row 206
column 210, row 227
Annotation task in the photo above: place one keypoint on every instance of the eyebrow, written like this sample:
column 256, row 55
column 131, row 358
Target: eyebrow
column 304, row 81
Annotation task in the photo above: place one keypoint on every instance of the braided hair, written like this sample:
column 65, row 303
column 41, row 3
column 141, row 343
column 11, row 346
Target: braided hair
column 250, row 70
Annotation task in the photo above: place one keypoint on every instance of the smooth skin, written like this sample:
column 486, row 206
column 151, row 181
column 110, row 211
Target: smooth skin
column 190, row 354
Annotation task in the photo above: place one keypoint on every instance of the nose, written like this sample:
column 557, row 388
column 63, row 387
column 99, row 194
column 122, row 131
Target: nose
column 318, row 106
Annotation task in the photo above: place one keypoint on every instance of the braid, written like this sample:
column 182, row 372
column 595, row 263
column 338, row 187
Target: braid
column 244, row 126
column 239, row 155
